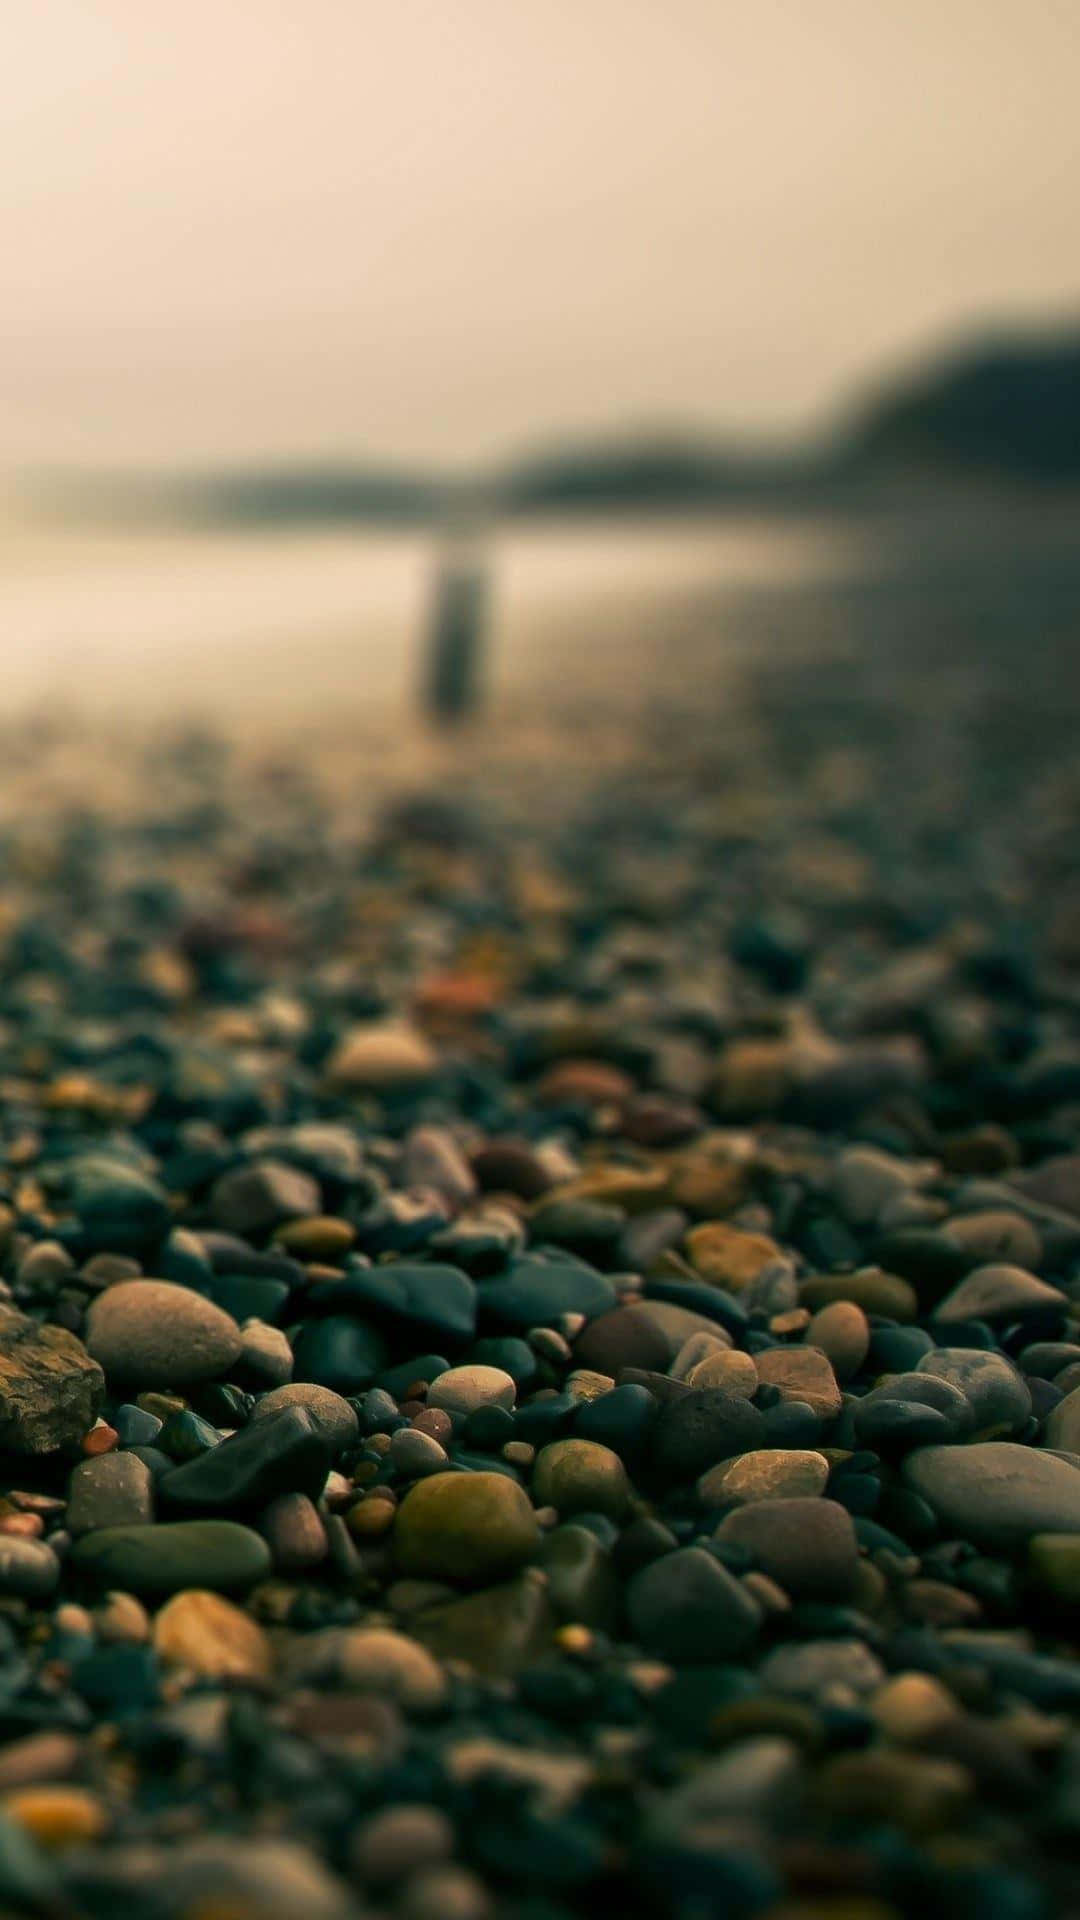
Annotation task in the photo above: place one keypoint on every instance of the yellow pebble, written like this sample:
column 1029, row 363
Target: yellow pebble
column 58, row 1816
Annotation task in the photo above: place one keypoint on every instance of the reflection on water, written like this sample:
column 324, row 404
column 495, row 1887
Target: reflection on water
column 966, row 602
column 235, row 623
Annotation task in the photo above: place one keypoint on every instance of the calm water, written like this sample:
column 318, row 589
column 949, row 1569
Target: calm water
column 262, row 626
column 238, row 624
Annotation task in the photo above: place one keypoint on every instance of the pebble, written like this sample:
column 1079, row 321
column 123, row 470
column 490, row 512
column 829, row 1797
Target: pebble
column 579, row 1476
column 211, row 1637
column 378, row 1660
column 164, row 1559
column 160, row 1335
column 330, row 1412
column 998, row 1292
column 996, row 1493
column 842, row 1332
column 381, row 1057
column 110, row 1490
column 801, row 1374
column 464, row 1389
column 808, row 1546
column 993, row 1388
column 777, row 1473
column 29, row 1569
column 686, row 1606
column 465, row 1526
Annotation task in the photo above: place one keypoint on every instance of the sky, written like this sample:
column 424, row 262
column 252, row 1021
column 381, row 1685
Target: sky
column 437, row 230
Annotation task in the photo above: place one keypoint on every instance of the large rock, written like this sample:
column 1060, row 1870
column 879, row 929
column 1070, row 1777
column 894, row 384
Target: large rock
column 996, row 1493
column 465, row 1526
column 155, row 1334
column 50, row 1388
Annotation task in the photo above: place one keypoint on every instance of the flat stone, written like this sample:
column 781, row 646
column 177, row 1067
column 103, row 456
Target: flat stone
column 728, row 1256
column 209, row 1636
column 339, row 1352
column 996, row 1234
column 155, row 1334
column 288, row 1453
column 465, row 1526
column 769, row 1473
column 166, row 1558
column 381, row 1057
column 686, row 1607
column 293, row 1529
column 995, row 1493
column 871, row 1288
column 110, row 1490
column 802, row 1374
column 380, row 1660
column 464, row 1389
column 537, row 1292
column 50, row 1387
column 998, row 1292
column 424, row 1303
column 807, row 1545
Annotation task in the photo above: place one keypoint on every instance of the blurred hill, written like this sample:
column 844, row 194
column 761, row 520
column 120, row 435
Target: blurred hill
column 996, row 410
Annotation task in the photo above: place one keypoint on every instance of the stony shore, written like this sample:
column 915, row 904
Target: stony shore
column 540, row 1332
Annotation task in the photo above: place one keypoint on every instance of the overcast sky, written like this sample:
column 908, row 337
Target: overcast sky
column 240, row 228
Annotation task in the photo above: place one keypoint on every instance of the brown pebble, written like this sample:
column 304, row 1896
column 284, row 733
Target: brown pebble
column 294, row 1532
column 100, row 1439
column 58, row 1816
column 370, row 1518
column 436, row 1422
column 211, row 1637
column 25, row 1526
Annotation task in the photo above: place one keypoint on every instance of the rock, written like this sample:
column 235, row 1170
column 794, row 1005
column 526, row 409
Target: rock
column 164, row 1559
column 865, row 1180
column 119, row 1207
column 918, row 1794
column 265, row 1354
column 381, row 1057
column 464, row 1389
column 496, row 1632
column 431, row 1157
column 401, row 1840
column 999, row 1398
column 579, row 1476
column 293, row 1530
column 110, row 1490
column 465, row 1526
column 29, row 1569
column 320, row 1237
column 339, row 1353
column 154, row 1334
column 728, row 1256
column 702, row 1426
column 1063, row 1424
column 537, row 1292
column 998, row 1292
column 288, row 1453
column 414, row 1453
column 332, row 1415
column 209, row 1636
column 581, row 1578
column 996, row 1234
column 50, row 1387
column 1054, row 1565
column 822, row 1670
column 802, row 1374
column 686, row 1607
column 254, row 1200
column 625, row 1337
column 807, row 1545
column 996, row 1493
column 767, row 1474
column 378, row 1660
column 869, row 1288
column 421, row 1303
column 57, row 1817
column 842, row 1333
column 912, row 1706
column 732, row 1372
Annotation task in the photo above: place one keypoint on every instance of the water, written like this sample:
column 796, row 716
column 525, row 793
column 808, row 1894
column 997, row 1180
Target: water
column 255, row 625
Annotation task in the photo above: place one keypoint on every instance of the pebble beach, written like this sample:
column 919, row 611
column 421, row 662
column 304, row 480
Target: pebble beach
column 540, row 1310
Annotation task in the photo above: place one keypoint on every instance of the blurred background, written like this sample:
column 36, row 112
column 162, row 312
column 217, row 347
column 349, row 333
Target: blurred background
column 577, row 362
